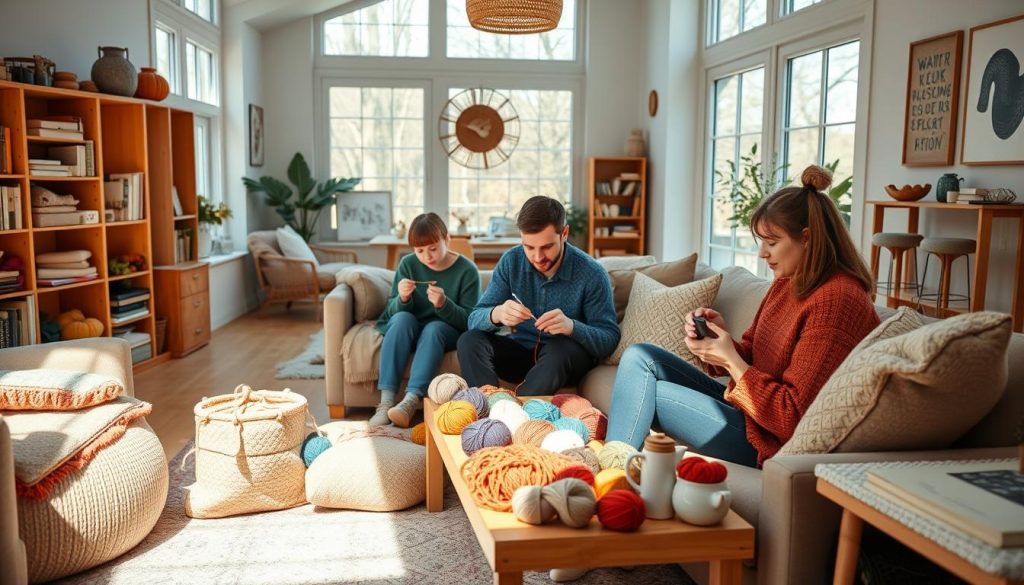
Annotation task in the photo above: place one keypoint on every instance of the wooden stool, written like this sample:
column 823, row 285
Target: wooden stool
column 898, row 244
column 947, row 250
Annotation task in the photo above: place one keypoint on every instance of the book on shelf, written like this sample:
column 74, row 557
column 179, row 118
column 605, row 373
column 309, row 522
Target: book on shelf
column 74, row 157
column 122, row 317
column 51, row 133
column 131, row 195
column 10, row 207
column 25, row 315
column 72, row 123
column 63, row 281
column 630, row 176
column 985, row 500
column 51, row 273
column 123, row 309
column 81, row 217
column 6, row 164
column 48, row 172
column 183, row 247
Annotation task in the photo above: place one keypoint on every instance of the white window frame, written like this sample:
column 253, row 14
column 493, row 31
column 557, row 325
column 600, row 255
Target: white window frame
column 712, row 10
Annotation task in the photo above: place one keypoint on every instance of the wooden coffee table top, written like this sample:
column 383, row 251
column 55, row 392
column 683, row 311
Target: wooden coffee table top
column 512, row 546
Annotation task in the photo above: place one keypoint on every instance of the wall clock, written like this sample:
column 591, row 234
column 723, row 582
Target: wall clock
column 478, row 128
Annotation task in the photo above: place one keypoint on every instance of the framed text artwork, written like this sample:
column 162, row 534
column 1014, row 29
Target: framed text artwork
column 994, row 104
column 933, row 86
column 255, row 135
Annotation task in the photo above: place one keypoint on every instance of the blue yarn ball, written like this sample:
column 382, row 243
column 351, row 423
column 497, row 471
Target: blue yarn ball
column 486, row 432
column 497, row 397
column 313, row 446
column 542, row 410
column 475, row 397
column 569, row 423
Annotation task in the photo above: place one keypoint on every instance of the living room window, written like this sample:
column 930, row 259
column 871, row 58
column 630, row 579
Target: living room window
column 201, row 132
column 791, row 6
column 202, row 73
column 728, row 18
column 464, row 41
column 166, row 47
column 393, row 28
column 205, row 9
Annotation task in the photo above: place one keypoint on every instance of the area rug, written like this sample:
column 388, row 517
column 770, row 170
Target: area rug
column 307, row 365
column 316, row 545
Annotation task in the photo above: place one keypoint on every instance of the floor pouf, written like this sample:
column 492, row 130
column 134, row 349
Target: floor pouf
column 98, row 512
column 375, row 473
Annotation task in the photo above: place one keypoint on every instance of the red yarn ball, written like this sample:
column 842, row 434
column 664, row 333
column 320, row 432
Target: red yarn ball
column 574, row 405
column 700, row 470
column 579, row 471
column 596, row 422
column 559, row 399
column 621, row 510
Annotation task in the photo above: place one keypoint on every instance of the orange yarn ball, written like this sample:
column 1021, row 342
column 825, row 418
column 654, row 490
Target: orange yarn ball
column 579, row 471
column 455, row 415
column 610, row 479
column 419, row 434
column 559, row 399
column 595, row 421
column 621, row 510
column 574, row 405
column 532, row 432
column 488, row 389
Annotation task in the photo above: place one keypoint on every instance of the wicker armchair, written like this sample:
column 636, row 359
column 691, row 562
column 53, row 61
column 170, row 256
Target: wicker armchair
column 284, row 279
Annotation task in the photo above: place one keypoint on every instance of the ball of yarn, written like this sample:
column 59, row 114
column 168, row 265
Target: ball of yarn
column 596, row 422
column 488, row 389
column 495, row 397
column 559, row 399
column 621, row 510
column 485, row 432
column 313, row 446
column 700, row 470
column 510, row 413
column 614, row 455
column 532, row 432
column 584, row 456
column 443, row 387
column 574, row 405
column 453, row 416
column 595, row 446
column 574, row 501
column 419, row 434
column 529, row 505
column 575, row 425
column 493, row 475
column 579, row 471
column 562, row 440
column 610, row 479
column 475, row 397
column 818, row 177
column 541, row 410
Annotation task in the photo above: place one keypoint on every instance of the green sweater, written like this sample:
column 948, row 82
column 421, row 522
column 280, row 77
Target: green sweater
column 461, row 284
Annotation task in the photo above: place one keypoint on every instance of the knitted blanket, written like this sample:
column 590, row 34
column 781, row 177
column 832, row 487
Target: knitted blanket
column 360, row 352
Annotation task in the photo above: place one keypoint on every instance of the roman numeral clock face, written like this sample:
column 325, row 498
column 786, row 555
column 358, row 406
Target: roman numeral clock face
column 479, row 128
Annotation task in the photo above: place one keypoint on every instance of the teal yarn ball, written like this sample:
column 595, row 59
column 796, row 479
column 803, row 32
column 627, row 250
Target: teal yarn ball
column 313, row 446
column 542, row 410
column 498, row 397
column 569, row 423
column 475, row 397
column 486, row 432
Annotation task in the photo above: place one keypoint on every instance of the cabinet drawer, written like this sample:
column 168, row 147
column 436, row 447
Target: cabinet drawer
column 195, row 321
column 194, row 281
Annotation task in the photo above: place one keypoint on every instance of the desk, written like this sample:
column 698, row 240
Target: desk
column 985, row 213
column 481, row 247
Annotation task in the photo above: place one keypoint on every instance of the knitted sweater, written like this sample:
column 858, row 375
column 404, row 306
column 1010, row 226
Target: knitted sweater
column 793, row 347
column 580, row 288
column 461, row 284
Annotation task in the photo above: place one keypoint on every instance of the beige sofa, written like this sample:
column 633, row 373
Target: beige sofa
column 796, row 528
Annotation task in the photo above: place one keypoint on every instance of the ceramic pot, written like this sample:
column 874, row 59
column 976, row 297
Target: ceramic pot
column 205, row 241
column 114, row 73
column 635, row 143
column 660, row 456
column 152, row 85
column 702, row 504
column 947, row 182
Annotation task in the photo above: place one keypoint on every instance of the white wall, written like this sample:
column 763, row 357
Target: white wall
column 897, row 24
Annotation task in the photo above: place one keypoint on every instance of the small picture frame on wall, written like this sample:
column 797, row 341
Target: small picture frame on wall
column 933, row 89
column 255, row 135
column 363, row 214
column 994, row 102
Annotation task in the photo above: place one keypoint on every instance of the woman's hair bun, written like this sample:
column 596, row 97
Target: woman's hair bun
column 817, row 177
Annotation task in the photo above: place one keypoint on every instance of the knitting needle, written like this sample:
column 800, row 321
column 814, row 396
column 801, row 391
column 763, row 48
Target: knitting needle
column 524, row 306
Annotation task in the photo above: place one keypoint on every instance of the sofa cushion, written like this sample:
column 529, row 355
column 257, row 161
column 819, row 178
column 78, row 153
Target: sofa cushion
column 371, row 287
column 656, row 314
column 739, row 298
column 909, row 387
column 327, row 274
column 596, row 386
column 45, row 389
column 625, row 262
column 293, row 246
column 667, row 273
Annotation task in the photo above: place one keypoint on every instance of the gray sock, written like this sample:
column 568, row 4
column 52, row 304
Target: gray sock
column 387, row 396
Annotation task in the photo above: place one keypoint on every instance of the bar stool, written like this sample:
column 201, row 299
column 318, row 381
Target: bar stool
column 898, row 244
column 947, row 250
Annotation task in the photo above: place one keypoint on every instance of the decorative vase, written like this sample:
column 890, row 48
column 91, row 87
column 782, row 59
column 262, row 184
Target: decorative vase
column 947, row 182
column 462, row 229
column 205, row 240
column 635, row 143
column 152, row 85
column 113, row 73
column 398, row 229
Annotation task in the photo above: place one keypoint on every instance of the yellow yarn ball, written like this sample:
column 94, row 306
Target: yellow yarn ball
column 532, row 432
column 595, row 446
column 610, row 479
column 614, row 454
column 455, row 415
column 443, row 387
column 419, row 434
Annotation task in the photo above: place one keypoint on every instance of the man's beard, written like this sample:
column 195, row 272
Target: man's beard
column 554, row 262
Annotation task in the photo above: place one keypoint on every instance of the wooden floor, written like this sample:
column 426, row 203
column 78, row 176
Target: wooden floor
column 243, row 351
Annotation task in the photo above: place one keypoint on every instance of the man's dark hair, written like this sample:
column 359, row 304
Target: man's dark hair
column 539, row 212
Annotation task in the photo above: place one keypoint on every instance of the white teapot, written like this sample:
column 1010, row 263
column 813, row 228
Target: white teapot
column 657, row 475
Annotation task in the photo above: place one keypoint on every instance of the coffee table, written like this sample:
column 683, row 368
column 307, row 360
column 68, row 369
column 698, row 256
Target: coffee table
column 512, row 547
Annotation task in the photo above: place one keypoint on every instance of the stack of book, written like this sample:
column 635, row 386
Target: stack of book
column 65, row 127
column 10, row 280
column 10, row 207
column 122, row 197
column 6, row 165
column 625, row 231
column 60, row 268
column 50, row 209
column 624, row 184
column 72, row 160
column 17, row 322
column 183, row 245
column 126, row 305
column 613, row 210
column 142, row 349
column 966, row 195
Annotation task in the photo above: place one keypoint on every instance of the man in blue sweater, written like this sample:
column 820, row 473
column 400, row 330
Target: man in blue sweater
column 547, row 316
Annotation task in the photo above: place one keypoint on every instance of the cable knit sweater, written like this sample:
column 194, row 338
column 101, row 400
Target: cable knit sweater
column 793, row 347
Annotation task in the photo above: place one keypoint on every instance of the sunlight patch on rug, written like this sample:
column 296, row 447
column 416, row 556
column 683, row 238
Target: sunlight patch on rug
column 307, row 365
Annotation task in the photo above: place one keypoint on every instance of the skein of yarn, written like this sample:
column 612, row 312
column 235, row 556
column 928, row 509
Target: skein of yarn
column 574, row 406
column 596, row 422
column 575, row 425
column 313, row 446
column 614, row 454
column 494, row 397
column 585, row 456
column 488, row 389
column 541, row 410
column 621, row 510
column 560, row 398
column 579, row 471
column 610, row 479
column 419, row 434
column 573, row 499
column 475, row 397
column 532, row 432
column 495, row 473
column 561, row 440
column 485, row 432
column 510, row 413
column 595, row 446
column 529, row 505
column 444, row 386
column 453, row 416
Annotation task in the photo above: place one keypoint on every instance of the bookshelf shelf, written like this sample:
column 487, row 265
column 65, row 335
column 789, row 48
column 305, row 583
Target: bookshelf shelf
column 617, row 181
column 126, row 223
column 132, row 320
column 63, row 287
column 127, row 276
column 52, row 140
column 15, row 294
column 67, row 228
column 184, row 217
column 11, row 177
column 13, row 232
column 617, row 218
column 38, row 178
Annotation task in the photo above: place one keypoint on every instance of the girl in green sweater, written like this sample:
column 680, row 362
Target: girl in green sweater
column 433, row 292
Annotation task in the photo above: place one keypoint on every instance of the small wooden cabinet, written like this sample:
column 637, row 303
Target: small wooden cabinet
column 617, row 193
column 184, row 298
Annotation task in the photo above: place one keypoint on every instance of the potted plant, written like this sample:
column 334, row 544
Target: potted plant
column 578, row 222
column 209, row 216
column 302, row 212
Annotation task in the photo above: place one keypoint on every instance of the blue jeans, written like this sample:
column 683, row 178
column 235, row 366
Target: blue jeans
column 654, row 384
column 404, row 336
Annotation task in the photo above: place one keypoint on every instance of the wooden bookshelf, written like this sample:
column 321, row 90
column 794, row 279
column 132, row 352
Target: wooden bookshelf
column 129, row 136
column 603, row 176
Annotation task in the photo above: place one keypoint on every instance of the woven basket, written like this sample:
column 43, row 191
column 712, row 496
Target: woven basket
column 248, row 453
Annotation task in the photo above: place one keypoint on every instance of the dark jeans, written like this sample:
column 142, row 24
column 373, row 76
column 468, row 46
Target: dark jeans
column 484, row 357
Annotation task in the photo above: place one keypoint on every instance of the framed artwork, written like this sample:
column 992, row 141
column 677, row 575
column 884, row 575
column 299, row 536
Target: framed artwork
column 933, row 89
column 994, row 106
column 363, row 214
column 255, row 135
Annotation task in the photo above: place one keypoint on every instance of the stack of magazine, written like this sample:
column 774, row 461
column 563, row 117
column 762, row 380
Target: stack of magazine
column 128, row 304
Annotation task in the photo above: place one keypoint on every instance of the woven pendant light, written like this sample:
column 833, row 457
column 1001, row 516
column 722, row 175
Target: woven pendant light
column 514, row 17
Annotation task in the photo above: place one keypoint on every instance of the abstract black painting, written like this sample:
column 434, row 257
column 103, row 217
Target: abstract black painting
column 994, row 106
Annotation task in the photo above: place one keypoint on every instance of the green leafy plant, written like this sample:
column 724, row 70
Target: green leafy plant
column 576, row 219
column 302, row 212
column 210, row 214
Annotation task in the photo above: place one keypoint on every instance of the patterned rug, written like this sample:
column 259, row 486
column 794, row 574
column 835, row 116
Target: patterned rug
column 307, row 365
column 316, row 545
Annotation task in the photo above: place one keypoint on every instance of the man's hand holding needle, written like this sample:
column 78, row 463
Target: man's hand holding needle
column 511, row 313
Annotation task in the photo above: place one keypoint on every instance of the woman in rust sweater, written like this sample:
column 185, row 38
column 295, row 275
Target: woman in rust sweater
column 817, row 309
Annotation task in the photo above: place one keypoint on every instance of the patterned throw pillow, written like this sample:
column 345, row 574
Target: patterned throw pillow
column 55, row 389
column 656, row 313
column 371, row 287
column 667, row 273
column 908, row 386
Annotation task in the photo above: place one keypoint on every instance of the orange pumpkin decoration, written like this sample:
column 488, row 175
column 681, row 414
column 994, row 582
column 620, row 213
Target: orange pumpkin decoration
column 69, row 316
column 74, row 325
column 152, row 86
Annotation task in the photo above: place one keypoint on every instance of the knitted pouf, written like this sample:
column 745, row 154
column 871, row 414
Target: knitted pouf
column 98, row 512
column 376, row 474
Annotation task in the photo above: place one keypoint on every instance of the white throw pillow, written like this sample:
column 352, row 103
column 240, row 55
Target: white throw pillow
column 293, row 246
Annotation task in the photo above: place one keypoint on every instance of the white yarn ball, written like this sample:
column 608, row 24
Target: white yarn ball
column 510, row 413
column 561, row 440
column 443, row 387
column 529, row 505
